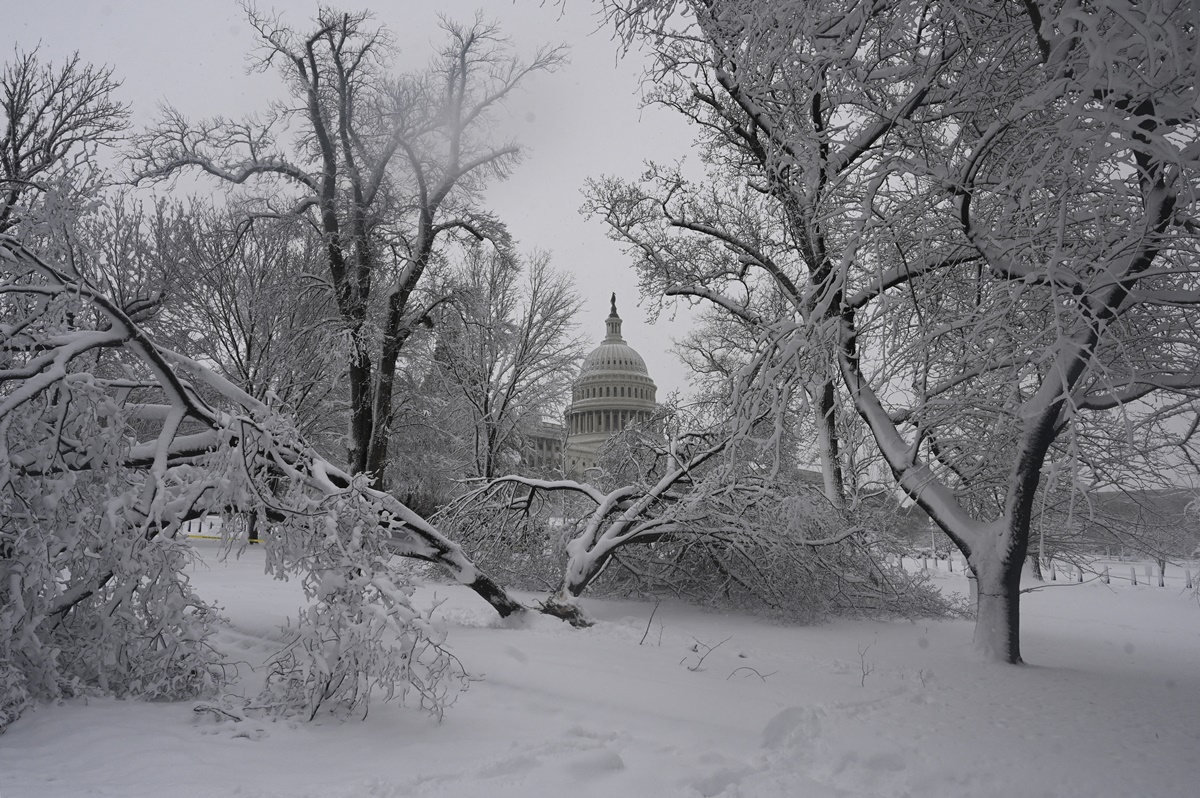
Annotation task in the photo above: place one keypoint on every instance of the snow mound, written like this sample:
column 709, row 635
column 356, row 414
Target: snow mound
column 1108, row 711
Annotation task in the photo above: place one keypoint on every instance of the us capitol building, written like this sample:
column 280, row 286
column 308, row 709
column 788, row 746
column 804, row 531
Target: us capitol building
column 612, row 390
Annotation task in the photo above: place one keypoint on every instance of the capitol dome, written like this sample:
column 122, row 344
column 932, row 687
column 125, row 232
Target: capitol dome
column 613, row 390
column 613, row 355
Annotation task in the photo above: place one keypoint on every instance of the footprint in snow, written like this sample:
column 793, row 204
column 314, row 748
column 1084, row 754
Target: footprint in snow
column 721, row 780
column 598, row 762
column 517, row 654
column 794, row 727
column 508, row 766
column 588, row 734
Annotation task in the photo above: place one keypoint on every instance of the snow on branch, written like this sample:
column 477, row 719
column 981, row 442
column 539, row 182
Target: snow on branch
column 180, row 380
column 105, row 461
column 702, row 513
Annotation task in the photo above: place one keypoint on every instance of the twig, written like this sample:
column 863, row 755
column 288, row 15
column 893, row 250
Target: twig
column 867, row 669
column 236, row 717
column 650, row 621
column 710, row 649
column 752, row 670
column 1064, row 583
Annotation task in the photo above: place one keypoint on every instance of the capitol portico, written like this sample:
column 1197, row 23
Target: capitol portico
column 612, row 390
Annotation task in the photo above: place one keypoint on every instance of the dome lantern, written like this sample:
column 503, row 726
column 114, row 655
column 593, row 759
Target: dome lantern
column 613, row 324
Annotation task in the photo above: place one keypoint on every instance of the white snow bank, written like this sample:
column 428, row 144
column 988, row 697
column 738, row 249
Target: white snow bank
column 1107, row 707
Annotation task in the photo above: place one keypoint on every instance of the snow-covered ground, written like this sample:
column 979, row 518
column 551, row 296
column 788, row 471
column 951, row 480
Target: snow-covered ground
column 1108, row 706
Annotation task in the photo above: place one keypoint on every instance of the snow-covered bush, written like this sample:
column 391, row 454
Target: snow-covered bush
column 360, row 637
column 93, row 594
column 699, row 515
column 788, row 555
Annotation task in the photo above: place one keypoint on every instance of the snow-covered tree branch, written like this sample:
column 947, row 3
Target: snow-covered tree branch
column 105, row 460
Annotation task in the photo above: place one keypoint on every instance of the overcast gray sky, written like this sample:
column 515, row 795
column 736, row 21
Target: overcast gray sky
column 583, row 121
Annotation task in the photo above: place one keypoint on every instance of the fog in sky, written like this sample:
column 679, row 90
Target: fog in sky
column 582, row 121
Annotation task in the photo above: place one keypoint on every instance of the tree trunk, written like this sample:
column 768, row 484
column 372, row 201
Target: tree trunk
column 562, row 605
column 380, row 398
column 361, row 423
column 827, row 439
column 495, row 595
column 997, row 610
column 581, row 569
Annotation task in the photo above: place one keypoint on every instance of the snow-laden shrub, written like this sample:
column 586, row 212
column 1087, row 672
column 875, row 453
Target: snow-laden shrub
column 94, row 598
column 695, row 522
column 13, row 695
column 793, row 556
column 93, row 594
column 360, row 637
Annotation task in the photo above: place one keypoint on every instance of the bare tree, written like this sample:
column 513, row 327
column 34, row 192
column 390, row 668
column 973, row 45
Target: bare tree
column 383, row 168
column 506, row 350
column 119, row 246
column 55, row 120
column 252, row 301
column 34, row 368
column 1012, row 240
